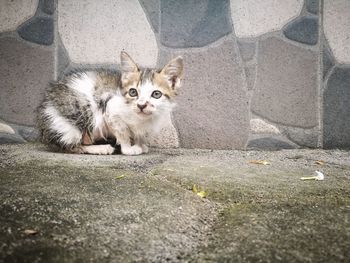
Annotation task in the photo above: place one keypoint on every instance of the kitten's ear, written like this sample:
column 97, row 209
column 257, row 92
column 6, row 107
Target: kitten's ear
column 127, row 64
column 173, row 72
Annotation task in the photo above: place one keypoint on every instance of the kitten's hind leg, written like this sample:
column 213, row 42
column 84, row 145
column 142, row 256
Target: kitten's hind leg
column 103, row 149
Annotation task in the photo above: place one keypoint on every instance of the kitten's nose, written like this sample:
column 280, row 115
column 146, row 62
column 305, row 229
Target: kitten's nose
column 141, row 106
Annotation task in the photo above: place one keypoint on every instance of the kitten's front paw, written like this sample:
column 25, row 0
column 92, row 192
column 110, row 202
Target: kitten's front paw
column 106, row 150
column 131, row 150
column 96, row 149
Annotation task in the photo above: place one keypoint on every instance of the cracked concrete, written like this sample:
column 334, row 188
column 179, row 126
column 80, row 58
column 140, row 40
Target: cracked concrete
column 132, row 209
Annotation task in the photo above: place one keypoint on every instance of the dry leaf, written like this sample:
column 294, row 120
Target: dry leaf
column 319, row 177
column 263, row 162
column 30, row 232
column 296, row 157
column 319, row 162
column 200, row 193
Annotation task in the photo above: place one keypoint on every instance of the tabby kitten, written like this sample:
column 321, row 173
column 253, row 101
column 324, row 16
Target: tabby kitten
column 127, row 105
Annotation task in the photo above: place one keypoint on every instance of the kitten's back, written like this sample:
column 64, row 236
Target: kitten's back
column 73, row 105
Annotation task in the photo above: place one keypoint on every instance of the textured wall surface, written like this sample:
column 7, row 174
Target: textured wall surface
column 27, row 64
column 336, row 28
column 253, row 18
column 258, row 74
column 96, row 31
column 336, row 74
column 14, row 13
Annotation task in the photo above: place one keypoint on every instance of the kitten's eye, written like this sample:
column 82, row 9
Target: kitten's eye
column 132, row 92
column 157, row 94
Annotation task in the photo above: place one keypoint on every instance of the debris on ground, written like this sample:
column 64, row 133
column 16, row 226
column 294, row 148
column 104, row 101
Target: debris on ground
column 199, row 192
column 319, row 162
column 319, row 177
column 30, row 232
column 263, row 162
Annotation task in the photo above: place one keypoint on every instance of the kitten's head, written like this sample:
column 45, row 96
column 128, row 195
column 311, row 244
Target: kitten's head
column 150, row 92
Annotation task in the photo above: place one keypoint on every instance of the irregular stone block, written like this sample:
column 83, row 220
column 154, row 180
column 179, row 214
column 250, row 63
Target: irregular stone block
column 212, row 109
column 260, row 126
column 62, row 58
column 253, row 18
column 167, row 138
column 250, row 74
column 47, row 6
column 302, row 137
column 194, row 23
column 286, row 86
column 328, row 60
column 4, row 128
column 312, row 6
column 269, row 142
column 336, row 109
column 38, row 30
column 14, row 13
column 6, row 138
column 28, row 133
column 25, row 72
column 96, row 31
column 152, row 8
column 336, row 23
column 303, row 30
column 247, row 49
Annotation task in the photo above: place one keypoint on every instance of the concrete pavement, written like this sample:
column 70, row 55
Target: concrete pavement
column 82, row 208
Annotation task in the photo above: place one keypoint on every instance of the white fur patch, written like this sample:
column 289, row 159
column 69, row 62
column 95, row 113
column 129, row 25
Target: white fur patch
column 131, row 150
column 98, row 149
column 84, row 83
column 117, row 106
column 146, row 92
column 100, row 128
column 60, row 125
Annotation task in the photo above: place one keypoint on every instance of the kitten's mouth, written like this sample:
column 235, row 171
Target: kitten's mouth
column 142, row 113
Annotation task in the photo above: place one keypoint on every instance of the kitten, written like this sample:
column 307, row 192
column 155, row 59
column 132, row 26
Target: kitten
column 127, row 105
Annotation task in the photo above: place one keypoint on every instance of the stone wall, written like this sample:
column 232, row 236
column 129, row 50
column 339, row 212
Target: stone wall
column 258, row 74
